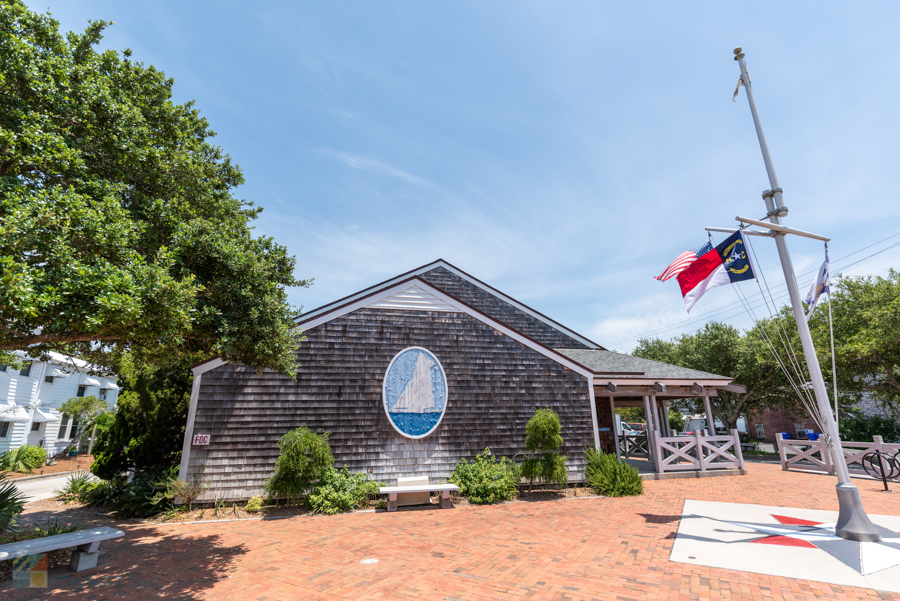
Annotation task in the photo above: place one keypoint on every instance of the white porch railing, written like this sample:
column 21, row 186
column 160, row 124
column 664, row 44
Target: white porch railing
column 813, row 455
column 697, row 452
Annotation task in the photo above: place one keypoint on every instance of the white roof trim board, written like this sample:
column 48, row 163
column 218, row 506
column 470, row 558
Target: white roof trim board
column 14, row 413
column 458, row 307
column 441, row 263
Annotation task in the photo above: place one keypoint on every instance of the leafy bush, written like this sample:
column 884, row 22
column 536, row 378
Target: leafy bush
column 144, row 496
column 22, row 460
column 36, row 456
column 185, row 491
column 611, row 477
column 341, row 491
column 75, row 487
column 304, row 459
column 487, row 479
column 254, row 504
column 12, row 503
column 860, row 428
column 542, row 440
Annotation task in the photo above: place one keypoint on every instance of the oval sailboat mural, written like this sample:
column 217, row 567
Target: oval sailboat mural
column 415, row 392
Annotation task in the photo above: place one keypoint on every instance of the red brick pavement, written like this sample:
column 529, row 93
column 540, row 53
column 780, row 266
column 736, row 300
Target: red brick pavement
column 567, row 550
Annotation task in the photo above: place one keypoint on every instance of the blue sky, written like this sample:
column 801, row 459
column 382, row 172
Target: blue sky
column 563, row 152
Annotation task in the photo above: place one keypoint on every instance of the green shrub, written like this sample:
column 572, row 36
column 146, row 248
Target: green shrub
column 76, row 485
column 542, row 440
column 144, row 496
column 254, row 504
column 12, row 503
column 487, row 479
column 304, row 459
column 340, row 491
column 611, row 477
column 859, row 428
column 35, row 456
column 22, row 460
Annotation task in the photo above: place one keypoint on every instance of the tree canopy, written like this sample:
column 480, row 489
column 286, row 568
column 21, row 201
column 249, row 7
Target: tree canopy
column 119, row 227
column 866, row 312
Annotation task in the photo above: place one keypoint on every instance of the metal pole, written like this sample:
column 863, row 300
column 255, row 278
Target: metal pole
column 852, row 523
column 837, row 416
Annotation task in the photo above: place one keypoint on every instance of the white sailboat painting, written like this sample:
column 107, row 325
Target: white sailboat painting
column 415, row 392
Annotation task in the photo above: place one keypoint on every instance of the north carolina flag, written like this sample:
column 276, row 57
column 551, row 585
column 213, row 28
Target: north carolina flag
column 727, row 263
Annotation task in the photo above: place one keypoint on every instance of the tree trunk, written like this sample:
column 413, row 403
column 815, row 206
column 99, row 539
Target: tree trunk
column 91, row 444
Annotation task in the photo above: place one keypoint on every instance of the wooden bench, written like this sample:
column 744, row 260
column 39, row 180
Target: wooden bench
column 86, row 541
column 444, row 489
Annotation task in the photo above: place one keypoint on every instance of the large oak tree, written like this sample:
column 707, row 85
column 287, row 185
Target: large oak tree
column 119, row 227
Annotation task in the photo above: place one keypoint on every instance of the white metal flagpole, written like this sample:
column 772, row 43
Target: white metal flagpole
column 837, row 416
column 852, row 523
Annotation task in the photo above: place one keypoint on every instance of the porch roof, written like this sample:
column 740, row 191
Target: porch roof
column 609, row 363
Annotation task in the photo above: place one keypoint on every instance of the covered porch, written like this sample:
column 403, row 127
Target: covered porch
column 627, row 381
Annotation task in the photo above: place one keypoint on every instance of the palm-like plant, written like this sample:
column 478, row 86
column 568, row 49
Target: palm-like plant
column 12, row 503
column 18, row 460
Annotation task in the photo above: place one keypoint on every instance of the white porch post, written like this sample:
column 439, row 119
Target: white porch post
column 654, row 405
column 612, row 407
column 648, row 413
column 710, row 418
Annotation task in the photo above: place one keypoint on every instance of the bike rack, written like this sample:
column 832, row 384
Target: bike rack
column 879, row 470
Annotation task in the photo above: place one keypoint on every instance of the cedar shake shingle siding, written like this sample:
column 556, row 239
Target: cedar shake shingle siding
column 499, row 309
column 495, row 383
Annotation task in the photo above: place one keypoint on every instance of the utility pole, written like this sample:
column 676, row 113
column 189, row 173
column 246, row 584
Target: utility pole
column 852, row 523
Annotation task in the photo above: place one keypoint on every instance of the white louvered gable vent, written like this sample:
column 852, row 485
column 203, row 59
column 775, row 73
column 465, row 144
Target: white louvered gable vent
column 413, row 298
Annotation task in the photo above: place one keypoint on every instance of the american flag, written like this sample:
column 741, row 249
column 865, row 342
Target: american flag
column 683, row 261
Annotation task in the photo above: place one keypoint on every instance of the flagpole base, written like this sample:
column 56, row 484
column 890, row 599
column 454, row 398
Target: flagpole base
column 853, row 523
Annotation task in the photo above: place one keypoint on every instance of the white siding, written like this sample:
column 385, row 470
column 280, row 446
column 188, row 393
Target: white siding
column 25, row 391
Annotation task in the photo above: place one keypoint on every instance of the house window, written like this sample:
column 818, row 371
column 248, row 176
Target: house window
column 81, row 390
column 800, row 430
column 26, row 371
column 48, row 379
column 4, row 367
column 102, row 395
column 760, row 431
column 74, row 429
column 63, row 426
column 4, row 429
column 35, row 426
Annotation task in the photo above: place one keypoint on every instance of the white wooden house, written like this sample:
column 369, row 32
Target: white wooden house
column 30, row 399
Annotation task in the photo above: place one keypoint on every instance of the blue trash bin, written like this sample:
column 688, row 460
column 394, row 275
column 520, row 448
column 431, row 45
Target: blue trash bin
column 786, row 435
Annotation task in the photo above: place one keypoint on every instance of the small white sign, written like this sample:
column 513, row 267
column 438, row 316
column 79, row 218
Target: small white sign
column 201, row 439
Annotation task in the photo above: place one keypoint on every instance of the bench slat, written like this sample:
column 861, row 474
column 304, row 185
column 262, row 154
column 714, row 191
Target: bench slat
column 386, row 490
column 59, row 541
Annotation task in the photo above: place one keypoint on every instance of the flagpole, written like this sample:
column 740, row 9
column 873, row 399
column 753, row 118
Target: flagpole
column 837, row 416
column 852, row 523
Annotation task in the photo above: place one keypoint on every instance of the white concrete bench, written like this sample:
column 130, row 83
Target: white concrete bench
column 393, row 491
column 86, row 541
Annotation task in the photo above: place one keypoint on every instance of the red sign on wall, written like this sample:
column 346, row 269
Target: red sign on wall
column 201, row 439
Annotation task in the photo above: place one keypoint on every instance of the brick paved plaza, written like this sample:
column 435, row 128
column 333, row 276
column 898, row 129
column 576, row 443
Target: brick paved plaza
column 568, row 549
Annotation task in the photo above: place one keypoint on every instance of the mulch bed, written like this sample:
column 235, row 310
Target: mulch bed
column 66, row 464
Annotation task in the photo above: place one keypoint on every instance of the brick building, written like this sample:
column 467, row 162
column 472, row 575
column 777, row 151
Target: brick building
column 764, row 425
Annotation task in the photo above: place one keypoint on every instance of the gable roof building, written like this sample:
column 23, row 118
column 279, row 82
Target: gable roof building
column 494, row 358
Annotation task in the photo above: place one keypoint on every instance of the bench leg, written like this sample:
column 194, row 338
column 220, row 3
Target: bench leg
column 392, row 502
column 82, row 560
column 445, row 500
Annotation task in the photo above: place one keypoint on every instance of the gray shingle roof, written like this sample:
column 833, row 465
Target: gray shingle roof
column 609, row 362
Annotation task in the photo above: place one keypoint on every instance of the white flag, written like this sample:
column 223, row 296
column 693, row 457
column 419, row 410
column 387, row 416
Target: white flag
column 819, row 287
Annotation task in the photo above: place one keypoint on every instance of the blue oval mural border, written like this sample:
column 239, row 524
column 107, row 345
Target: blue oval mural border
column 384, row 395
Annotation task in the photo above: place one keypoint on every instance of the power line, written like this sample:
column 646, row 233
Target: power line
column 704, row 317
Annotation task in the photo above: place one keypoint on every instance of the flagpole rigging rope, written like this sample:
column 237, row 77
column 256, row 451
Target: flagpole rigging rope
column 793, row 361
